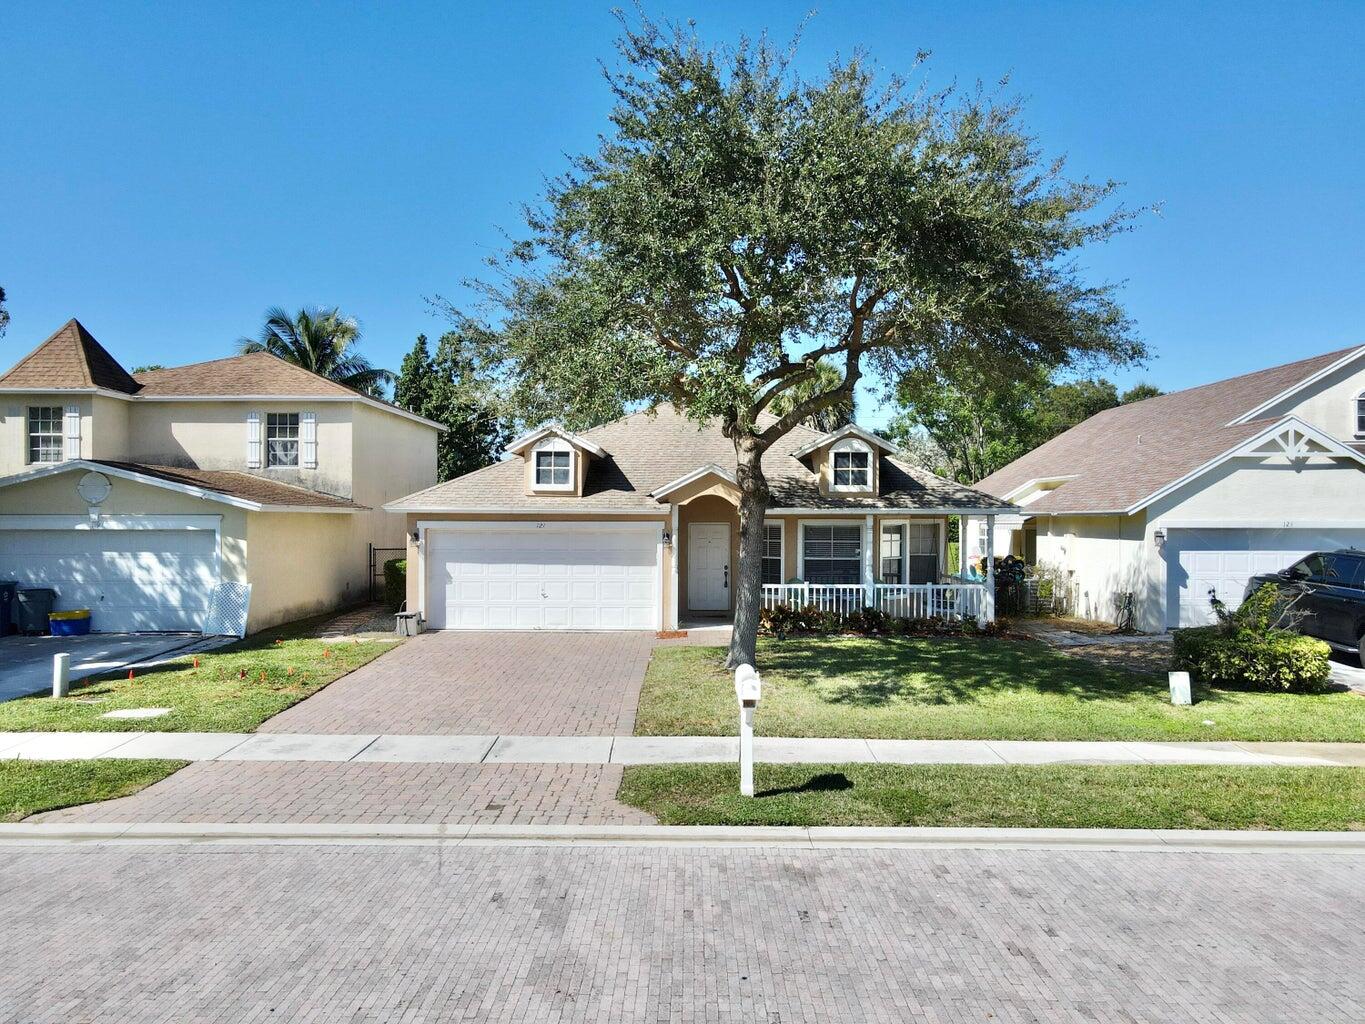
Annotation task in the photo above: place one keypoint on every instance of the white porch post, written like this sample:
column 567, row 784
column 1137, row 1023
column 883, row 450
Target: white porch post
column 673, row 583
column 869, row 584
column 964, row 557
column 988, row 607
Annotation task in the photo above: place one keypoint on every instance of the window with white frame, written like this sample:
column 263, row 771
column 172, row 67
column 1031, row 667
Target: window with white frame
column 832, row 553
column 921, row 553
column 772, row 552
column 893, row 553
column 1360, row 416
column 282, row 439
column 553, row 466
column 44, row 433
column 851, row 468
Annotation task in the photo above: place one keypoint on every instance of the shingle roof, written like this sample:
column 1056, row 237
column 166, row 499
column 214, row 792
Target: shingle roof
column 649, row 449
column 255, row 373
column 1121, row 456
column 236, row 485
column 70, row 358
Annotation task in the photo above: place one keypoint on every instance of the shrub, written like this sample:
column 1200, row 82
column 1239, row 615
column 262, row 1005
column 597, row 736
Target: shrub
column 785, row 621
column 1250, row 647
column 395, row 583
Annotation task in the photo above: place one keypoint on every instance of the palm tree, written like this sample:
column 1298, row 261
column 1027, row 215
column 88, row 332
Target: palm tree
column 321, row 340
column 825, row 377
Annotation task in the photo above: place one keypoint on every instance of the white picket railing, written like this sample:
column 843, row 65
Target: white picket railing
column 827, row 597
column 953, row 601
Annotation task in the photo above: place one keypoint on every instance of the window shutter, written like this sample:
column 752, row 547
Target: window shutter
column 308, row 435
column 72, row 418
column 253, row 440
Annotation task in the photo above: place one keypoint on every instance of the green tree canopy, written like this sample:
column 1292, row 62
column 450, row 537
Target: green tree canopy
column 966, row 424
column 737, row 224
column 4, row 314
column 448, row 389
column 825, row 377
column 322, row 340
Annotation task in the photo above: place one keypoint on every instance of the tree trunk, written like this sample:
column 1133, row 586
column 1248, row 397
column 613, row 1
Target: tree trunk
column 753, row 503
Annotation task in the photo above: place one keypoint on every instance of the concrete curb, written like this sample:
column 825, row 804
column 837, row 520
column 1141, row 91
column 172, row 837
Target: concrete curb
column 800, row 837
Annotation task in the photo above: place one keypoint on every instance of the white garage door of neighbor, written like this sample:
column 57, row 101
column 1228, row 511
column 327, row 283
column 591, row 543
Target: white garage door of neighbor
column 1222, row 560
column 552, row 577
column 131, row 580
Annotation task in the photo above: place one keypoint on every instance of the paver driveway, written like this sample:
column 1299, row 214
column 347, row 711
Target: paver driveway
column 527, row 684
column 530, row 684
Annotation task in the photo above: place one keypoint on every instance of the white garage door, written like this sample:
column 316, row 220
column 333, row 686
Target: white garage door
column 131, row 580
column 1218, row 560
column 548, row 576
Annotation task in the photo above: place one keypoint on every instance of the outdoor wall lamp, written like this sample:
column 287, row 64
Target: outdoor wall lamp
column 668, row 538
column 1159, row 537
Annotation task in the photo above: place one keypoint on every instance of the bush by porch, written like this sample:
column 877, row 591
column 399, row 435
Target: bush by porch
column 967, row 688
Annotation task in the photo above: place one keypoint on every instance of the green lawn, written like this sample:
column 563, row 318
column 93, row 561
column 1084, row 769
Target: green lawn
column 28, row 787
column 234, row 689
column 969, row 688
column 1016, row 796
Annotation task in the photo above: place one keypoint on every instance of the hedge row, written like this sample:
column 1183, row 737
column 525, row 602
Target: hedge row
column 395, row 583
column 811, row 621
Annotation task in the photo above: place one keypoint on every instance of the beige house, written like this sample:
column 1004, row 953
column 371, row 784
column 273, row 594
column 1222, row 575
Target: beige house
column 634, row 525
column 1167, row 501
column 136, row 495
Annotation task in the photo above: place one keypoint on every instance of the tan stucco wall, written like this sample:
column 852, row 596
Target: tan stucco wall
column 300, row 564
column 1105, row 557
column 107, row 429
column 393, row 457
column 213, row 435
column 14, row 426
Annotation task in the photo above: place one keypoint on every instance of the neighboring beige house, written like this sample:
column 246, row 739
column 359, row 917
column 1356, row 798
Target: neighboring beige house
column 634, row 525
column 135, row 495
column 1196, row 491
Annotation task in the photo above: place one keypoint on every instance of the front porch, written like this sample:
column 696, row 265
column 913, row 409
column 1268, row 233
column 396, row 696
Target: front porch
column 836, row 560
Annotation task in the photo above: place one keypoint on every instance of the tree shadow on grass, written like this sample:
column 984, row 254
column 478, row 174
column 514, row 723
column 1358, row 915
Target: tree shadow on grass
column 825, row 782
column 943, row 670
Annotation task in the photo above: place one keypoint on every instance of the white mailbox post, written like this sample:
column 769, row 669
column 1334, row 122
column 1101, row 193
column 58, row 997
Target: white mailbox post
column 61, row 675
column 748, row 690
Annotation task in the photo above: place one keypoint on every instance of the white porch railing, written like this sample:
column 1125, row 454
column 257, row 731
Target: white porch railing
column 841, row 598
column 954, row 601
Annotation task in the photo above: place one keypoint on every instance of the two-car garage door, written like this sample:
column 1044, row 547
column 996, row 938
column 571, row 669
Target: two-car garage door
column 131, row 579
column 543, row 576
column 1200, row 561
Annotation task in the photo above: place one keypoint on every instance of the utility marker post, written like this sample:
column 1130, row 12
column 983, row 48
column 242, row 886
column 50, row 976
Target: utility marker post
column 61, row 675
column 748, row 690
column 1180, row 688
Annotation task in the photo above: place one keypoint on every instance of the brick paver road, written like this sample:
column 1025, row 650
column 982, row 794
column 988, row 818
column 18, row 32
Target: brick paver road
column 362, row 934
column 532, row 684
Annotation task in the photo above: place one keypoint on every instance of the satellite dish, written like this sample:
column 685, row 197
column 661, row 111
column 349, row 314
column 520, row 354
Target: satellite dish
column 93, row 488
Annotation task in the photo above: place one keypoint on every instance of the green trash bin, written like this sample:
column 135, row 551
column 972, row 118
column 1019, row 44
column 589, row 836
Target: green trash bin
column 34, row 607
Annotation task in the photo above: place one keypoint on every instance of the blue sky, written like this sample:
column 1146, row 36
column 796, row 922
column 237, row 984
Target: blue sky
column 170, row 171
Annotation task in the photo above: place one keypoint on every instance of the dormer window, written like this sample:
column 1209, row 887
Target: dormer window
column 1360, row 415
column 851, row 467
column 553, row 465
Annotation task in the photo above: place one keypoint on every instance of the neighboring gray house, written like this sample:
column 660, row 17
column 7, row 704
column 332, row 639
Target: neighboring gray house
column 1177, row 496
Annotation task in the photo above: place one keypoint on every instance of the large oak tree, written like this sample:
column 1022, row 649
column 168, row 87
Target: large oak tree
column 737, row 224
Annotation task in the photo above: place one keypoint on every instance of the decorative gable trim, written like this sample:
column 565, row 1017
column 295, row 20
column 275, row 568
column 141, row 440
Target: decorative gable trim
column 1254, row 414
column 689, row 478
column 518, row 446
column 851, row 430
column 1290, row 439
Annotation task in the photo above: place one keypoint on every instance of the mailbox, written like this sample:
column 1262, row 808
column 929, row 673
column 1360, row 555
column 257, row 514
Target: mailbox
column 748, row 686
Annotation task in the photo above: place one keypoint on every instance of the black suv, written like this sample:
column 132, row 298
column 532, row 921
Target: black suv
column 1328, row 591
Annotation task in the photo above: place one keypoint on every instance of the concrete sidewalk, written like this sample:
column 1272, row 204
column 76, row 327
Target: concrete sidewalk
column 624, row 750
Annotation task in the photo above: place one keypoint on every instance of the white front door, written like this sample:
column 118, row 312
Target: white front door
column 708, row 567
column 543, row 576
